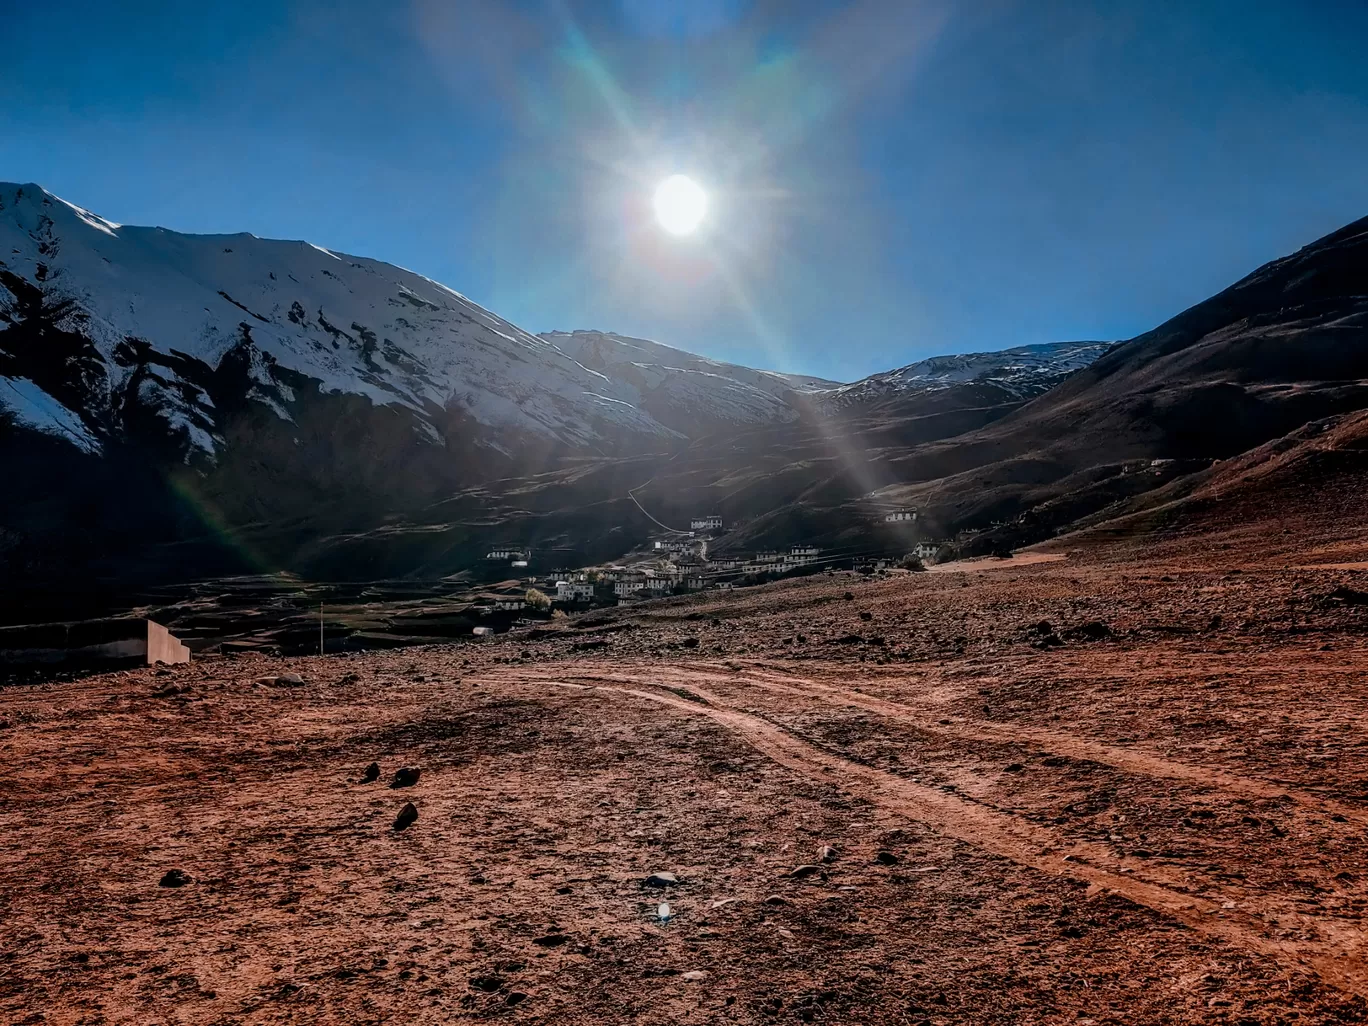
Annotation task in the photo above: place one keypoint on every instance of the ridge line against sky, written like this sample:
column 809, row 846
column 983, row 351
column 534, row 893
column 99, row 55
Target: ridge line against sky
column 887, row 181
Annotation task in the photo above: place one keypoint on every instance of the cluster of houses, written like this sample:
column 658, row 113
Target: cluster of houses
column 679, row 563
column 514, row 555
column 780, row 562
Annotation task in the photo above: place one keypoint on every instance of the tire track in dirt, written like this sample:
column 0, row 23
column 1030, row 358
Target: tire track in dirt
column 1340, row 962
column 1054, row 742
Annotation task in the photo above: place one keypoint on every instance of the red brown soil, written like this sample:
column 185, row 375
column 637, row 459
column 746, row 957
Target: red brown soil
column 1106, row 805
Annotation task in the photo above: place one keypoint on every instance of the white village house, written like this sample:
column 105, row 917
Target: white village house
column 629, row 583
column 574, row 591
column 712, row 522
column 900, row 515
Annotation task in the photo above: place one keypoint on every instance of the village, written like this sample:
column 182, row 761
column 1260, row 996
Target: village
column 679, row 562
column 508, row 589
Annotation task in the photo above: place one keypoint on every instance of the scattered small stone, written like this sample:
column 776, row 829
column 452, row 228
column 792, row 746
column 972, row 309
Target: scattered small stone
column 488, row 984
column 371, row 773
column 865, row 614
column 775, row 899
column 848, row 597
column 786, row 934
column 1014, row 767
column 887, row 858
column 551, row 940
column 175, row 878
column 661, row 879
column 408, row 815
column 724, row 902
column 1096, row 630
column 515, row 997
column 405, row 776
column 695, row 975
column 290, row 679
column 826, row 853
column 803, row 872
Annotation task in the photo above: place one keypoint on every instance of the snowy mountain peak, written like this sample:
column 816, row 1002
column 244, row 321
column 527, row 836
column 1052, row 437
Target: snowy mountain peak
column 1022, row 371
column 109, row 331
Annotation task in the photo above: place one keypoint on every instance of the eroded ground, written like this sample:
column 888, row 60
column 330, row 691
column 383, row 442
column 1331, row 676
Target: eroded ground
column 1057, row 793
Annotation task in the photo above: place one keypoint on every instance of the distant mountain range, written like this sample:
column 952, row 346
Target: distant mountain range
column 176, row 405
column 110, row 330
column 1022, row 372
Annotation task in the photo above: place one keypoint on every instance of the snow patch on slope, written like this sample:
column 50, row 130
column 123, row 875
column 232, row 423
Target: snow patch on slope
column 353, row 324
column 1022, row 370
column 664, row 379
column 31, row 406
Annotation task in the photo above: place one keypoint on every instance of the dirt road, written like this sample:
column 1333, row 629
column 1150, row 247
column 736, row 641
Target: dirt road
column 1042, row 794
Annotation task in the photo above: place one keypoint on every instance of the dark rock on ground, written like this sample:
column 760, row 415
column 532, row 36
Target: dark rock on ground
column 405, row 776
column 408, row 815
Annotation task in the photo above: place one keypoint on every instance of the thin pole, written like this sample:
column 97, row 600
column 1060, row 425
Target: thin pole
column 320, row 628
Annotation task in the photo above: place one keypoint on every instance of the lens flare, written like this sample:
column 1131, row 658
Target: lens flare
column 680, row 205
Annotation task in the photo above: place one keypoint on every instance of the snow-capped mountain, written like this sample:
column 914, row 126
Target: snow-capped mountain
column 109, row 331
column 675, row 386
column 1019, row 373
column 176, row 404
column 102, row 323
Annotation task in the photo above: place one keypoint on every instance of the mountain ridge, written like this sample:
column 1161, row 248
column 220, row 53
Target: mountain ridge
column 175, row 406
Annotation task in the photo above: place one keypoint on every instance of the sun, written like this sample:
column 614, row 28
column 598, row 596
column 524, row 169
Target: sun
column 680, row 205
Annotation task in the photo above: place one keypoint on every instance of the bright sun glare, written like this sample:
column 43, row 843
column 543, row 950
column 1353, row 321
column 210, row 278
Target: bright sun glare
column 680, row 204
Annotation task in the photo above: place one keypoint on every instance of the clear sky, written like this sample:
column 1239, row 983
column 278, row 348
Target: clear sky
column 888, row 179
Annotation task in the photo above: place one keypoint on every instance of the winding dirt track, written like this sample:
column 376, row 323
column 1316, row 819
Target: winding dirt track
column 1051, row 741
column 1340, row 958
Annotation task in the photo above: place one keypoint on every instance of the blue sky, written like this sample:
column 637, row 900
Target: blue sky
column 889, row 180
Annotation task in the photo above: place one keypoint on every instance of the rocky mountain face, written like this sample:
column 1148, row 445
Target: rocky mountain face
column 1019, row 373
column 108, row 330
column 1284, row 347
column 690, row 392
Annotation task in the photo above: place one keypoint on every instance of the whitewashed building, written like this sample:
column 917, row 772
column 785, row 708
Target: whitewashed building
column 574, row 591
column 629, row 584
column 900, row 516
column 713, row 522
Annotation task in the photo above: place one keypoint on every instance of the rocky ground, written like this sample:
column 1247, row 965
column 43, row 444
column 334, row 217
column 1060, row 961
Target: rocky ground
column 1052, row 792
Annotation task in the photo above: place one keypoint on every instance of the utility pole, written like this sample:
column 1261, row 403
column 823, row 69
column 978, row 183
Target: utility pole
column 320, row 628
